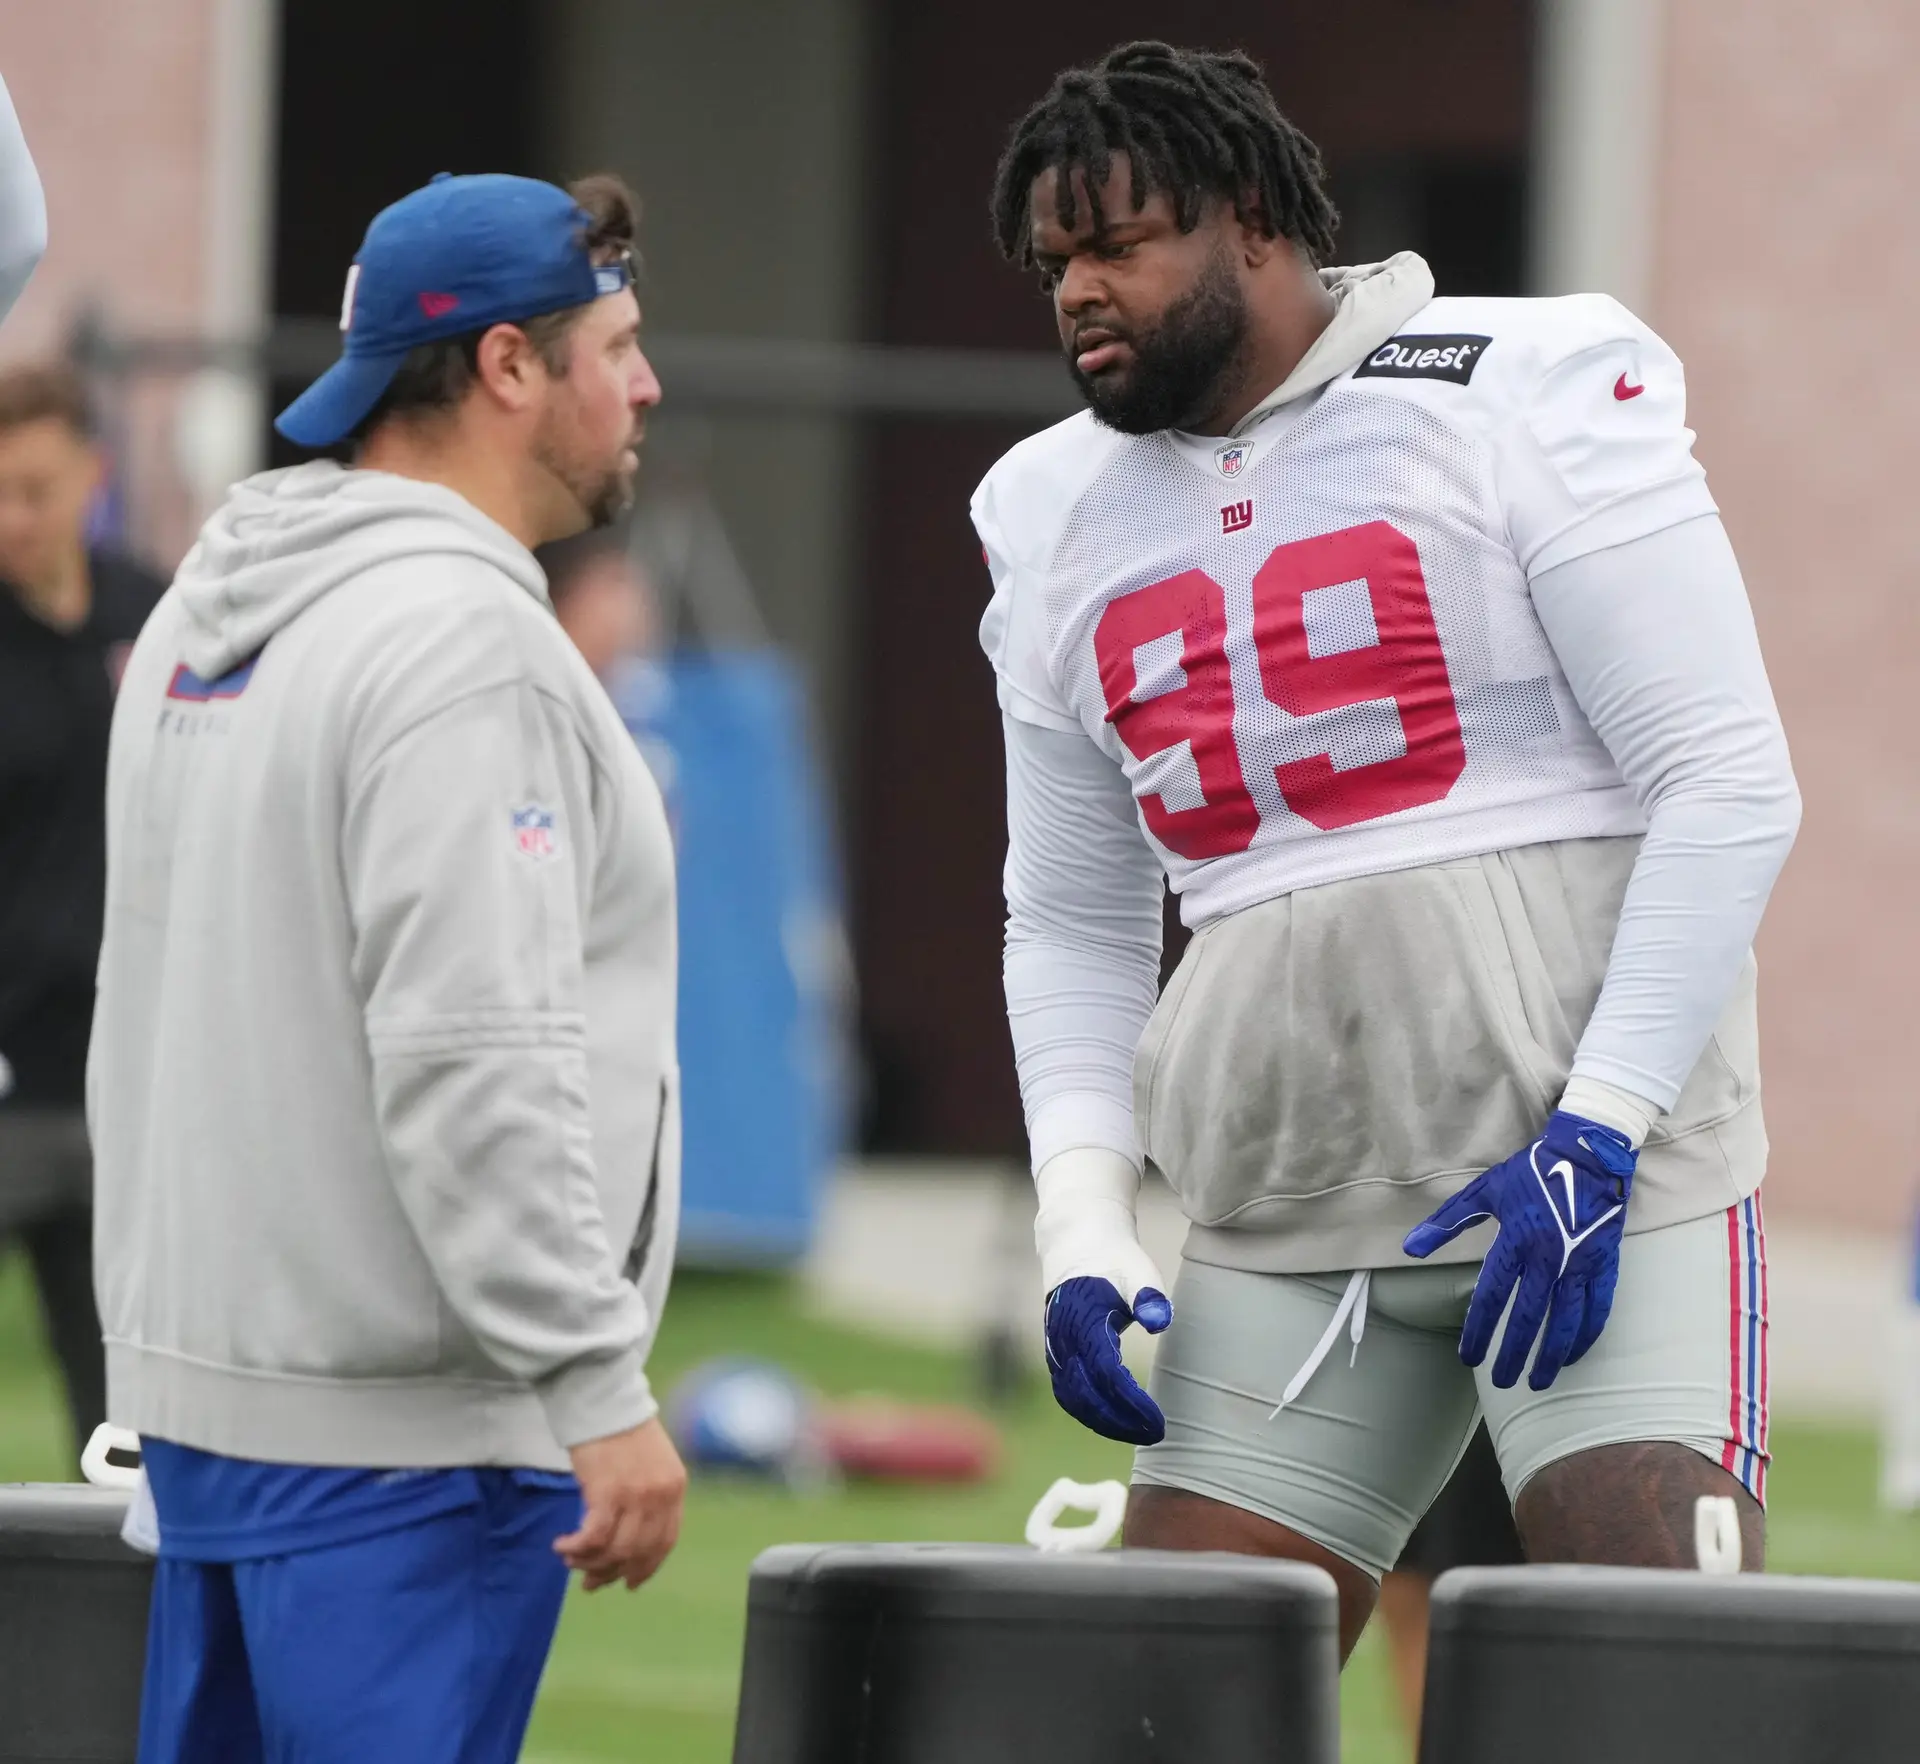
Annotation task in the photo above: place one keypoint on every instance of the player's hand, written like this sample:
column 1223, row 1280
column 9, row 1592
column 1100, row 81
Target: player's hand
column 1090, row 1380
column 1562, row 1207
column 1098, row 1281
column 634, row 1487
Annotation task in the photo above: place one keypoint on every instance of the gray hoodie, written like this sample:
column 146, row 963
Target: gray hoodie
column 383, row 1090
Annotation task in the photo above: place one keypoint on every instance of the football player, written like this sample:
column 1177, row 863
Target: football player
column 1399, row 634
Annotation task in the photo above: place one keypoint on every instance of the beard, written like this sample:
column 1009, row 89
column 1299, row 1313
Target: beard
column 608, row 497
column 1181, row 367
column 603, row 487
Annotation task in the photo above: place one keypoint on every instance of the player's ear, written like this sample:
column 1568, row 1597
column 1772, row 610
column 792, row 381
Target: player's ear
column 1258, row 245
column 1258, row 250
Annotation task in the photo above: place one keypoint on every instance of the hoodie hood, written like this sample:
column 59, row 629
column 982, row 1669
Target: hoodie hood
column 283, row 539
column 1371, row 302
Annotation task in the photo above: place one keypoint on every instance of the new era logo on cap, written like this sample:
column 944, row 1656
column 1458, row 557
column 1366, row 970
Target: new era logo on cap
column 437, row 306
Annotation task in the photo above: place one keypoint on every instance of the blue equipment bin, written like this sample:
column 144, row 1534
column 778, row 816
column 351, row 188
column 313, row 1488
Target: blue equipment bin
column 763, row 971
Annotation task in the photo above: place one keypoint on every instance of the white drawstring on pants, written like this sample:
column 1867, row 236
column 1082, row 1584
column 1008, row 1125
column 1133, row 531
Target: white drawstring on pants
column 1352, row 1312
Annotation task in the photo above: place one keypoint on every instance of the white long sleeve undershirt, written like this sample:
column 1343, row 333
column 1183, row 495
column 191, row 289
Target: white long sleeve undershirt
column 1657, row 642
column 1084, row 894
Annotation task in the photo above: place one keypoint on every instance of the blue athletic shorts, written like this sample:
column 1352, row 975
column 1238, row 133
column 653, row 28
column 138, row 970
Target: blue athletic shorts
column 422, row 1644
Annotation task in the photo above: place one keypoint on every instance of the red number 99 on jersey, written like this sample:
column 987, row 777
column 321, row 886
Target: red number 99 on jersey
column 1405, row 665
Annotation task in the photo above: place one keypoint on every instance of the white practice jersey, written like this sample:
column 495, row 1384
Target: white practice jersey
column 1312, row 648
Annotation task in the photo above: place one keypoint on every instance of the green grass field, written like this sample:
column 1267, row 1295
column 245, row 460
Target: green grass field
column 650, row 1677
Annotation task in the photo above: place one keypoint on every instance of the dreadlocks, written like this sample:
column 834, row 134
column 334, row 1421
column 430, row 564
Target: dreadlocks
column 1192, row 123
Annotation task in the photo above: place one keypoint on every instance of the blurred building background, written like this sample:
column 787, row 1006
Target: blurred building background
column 815, row 171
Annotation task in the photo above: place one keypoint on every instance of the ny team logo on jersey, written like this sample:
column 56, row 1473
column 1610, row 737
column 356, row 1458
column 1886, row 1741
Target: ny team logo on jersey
column 533, row 831
column 1451, row 357
column 1232, row 458
column 1237, row 517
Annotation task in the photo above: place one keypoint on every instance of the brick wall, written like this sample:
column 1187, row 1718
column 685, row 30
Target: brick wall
column 115, row 100
column 1788, row 254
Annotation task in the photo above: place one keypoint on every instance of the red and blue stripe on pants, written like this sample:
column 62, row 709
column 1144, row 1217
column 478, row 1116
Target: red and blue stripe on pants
column 1745, row 1454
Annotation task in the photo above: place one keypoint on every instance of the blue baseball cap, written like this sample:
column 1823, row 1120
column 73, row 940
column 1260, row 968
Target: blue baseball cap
column 457, row 256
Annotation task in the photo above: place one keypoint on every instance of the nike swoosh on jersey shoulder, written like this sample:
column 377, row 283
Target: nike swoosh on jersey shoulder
column 1548, row 332
column 1533, row 337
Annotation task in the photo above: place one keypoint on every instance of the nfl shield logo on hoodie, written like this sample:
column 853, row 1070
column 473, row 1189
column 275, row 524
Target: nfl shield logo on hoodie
column 533, row 831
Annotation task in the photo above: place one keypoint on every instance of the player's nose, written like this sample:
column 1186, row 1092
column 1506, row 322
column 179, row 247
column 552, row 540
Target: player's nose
column 1081, row 288
column 645, row 391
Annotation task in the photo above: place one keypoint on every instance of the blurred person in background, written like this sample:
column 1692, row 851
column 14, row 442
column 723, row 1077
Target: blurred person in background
column 69, row 614
column 602, row 598
column 607, row 604
column 23, row 207
column 661, row 613
column 383, row 1079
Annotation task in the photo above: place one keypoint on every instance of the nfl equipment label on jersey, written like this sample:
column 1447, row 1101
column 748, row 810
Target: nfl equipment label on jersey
column 1424, row 358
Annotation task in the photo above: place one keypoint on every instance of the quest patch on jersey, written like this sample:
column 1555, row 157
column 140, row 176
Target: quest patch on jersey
column 1424, row 358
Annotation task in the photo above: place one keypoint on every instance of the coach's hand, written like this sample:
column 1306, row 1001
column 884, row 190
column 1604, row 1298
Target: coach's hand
column 1561, row 1206
column 634, row 1487
column 1098, row 1280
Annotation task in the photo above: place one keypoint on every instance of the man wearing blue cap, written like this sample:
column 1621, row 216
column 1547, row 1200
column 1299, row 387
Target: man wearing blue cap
column 383, row 1087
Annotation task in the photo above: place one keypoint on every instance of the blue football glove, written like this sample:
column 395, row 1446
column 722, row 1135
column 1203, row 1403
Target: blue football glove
column 1090, row 1381
column 1562, row 1207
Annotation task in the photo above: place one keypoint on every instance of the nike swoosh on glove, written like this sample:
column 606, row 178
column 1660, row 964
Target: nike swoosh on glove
column 1561, row 1206
column 1090, row 1381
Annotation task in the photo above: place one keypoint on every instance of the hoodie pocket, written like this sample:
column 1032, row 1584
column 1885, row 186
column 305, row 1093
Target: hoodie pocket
column 650, row 1251
column 1550, row 914
column 1370, row 1031
column 643, row 1235
column 1726, row 1078
column 1162, row 1028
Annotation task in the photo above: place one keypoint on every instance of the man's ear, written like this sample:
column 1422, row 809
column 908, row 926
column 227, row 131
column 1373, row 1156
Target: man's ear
column 508, row 366
column 1258, row 247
